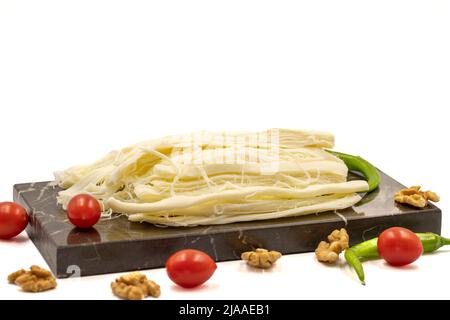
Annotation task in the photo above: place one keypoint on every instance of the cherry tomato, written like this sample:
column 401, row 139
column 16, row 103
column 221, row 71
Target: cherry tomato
column 13, row 219
column 83, row 211
column 190, row 268
column 399, row 246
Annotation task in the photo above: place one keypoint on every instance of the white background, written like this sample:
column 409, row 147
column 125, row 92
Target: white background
column 80, row 78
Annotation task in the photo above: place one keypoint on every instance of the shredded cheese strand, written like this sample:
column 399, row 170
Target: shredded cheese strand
column 214, row 178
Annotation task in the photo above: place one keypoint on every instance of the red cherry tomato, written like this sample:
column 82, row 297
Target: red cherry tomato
column 13, row 219
column 399, row 246
column 83, row 211
column 190, row 268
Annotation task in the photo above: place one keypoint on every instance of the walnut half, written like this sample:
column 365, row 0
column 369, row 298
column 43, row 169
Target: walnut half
column 36, row 279
column 329, row 251
column 135, row 286
column 414, row 197
column 261, row 258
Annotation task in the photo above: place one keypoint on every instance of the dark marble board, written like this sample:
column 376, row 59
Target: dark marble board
column 117, row 245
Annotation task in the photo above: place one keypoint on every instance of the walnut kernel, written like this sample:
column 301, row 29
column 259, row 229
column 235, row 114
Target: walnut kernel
column 329, row 252
column 13, row 276
column 414, row 197
column 36, row 279
column 261, row 258
column 135, row 286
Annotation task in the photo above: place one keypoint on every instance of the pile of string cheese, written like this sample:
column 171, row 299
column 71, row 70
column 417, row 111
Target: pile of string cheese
column 209, row 178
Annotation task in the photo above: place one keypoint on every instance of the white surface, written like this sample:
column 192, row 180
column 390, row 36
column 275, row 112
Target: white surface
column 78, row 79
column 297, row 276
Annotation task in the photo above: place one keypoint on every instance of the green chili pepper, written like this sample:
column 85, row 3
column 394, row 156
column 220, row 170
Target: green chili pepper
column 369, row 250
column 353, row 260
column 356, row 163
column 432, row 242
